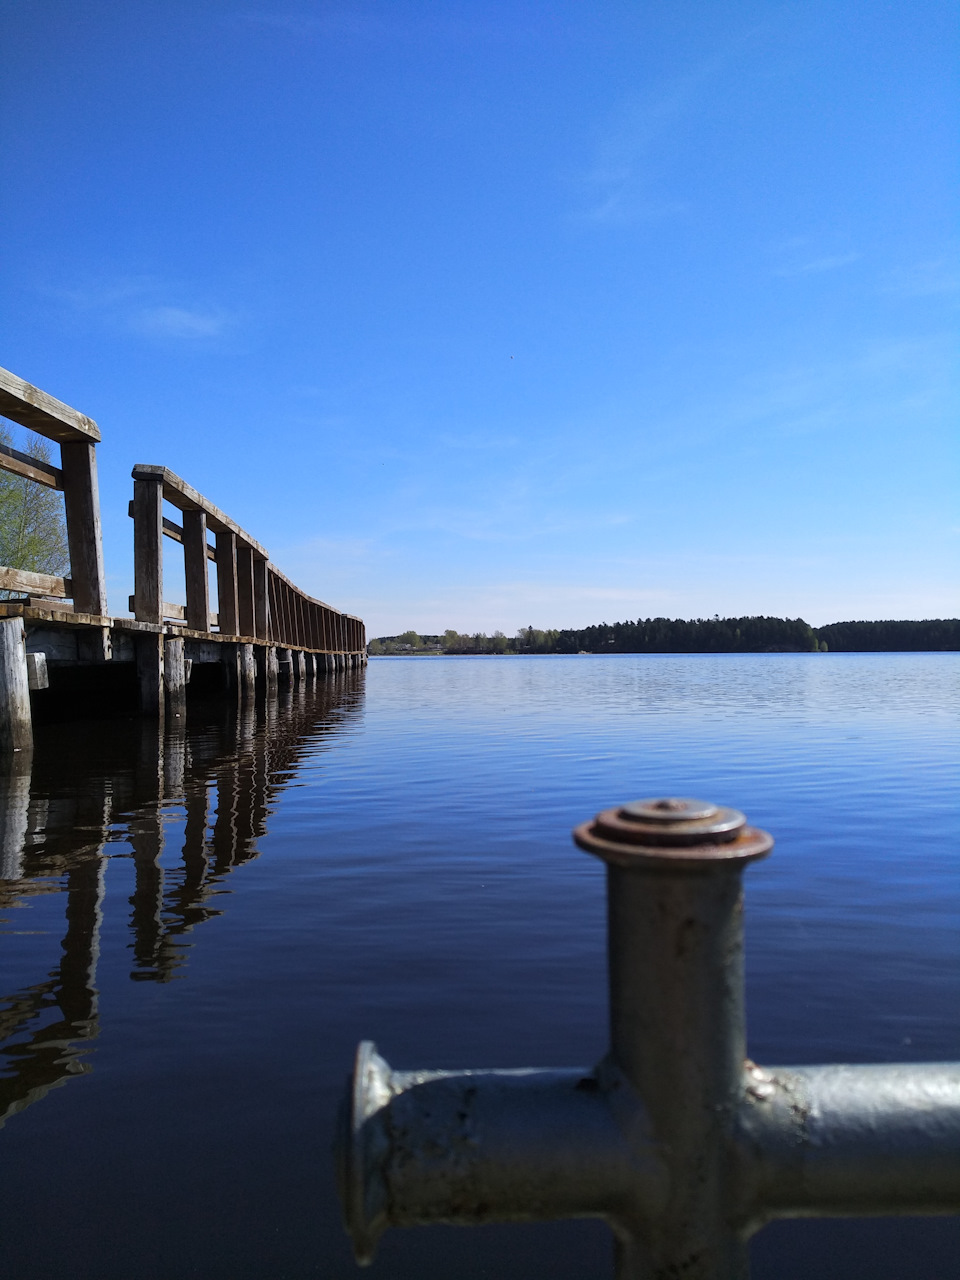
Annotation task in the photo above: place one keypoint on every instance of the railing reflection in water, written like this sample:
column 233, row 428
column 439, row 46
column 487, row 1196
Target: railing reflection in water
column 89, row 790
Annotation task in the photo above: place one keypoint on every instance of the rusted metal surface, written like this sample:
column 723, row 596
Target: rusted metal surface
column 678, row 1141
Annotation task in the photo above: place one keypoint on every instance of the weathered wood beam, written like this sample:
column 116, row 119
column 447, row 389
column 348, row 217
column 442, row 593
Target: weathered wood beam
column 283, row 578
column 176, row 613
column 41, row 584
column 16, row 725
column 148, row 552
column 149, row 649
column 261, row 607
column 174, row 674
column 247, row 625
column 81, row 500
column 195, row 570
column 173, row 531
column 23, row 464
column 183, row 496
column 227, row 597
column 33, row 408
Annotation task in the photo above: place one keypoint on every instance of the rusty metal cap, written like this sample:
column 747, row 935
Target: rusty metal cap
column 672, row 832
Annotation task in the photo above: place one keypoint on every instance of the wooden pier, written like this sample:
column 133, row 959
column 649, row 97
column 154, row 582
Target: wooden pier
column 57, row 636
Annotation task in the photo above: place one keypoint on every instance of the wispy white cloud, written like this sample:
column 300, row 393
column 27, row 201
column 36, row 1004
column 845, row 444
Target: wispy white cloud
column 621, row 185
column 804, row 256
column 148, row 305
column 815, row 266
column 181, row 322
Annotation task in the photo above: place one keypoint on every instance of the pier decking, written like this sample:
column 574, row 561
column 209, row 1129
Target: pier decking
column 57, row 632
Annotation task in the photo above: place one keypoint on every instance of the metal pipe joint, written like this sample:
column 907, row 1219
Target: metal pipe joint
column 679, row 1142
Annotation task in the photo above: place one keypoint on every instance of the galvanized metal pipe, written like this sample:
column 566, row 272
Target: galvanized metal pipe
column 850, row 1140
column 675, row 944
column 467, row 1147
column 679, row 1143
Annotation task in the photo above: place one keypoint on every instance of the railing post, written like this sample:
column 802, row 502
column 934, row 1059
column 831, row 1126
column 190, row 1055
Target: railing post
column 81, row 498
column 148, row 550
column 276, row 623
column 283, row 611
column 261, row 615
column 196, row 576
column 228, row 607
column 247, row 619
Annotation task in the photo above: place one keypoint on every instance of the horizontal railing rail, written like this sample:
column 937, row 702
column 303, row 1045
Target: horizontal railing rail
column 36, row 584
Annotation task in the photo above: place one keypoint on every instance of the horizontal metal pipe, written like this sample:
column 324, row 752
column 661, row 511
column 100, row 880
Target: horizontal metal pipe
column 850, row 1140
column 490, row 1146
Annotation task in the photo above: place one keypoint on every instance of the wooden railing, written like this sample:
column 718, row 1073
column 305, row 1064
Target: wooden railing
column 255, row 601
column 76, row 478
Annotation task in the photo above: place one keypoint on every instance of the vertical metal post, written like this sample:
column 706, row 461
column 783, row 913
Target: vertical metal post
column 675, row 941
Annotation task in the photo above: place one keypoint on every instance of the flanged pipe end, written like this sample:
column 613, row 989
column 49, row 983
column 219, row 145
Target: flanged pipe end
column 672, row 832
column 357, row 1148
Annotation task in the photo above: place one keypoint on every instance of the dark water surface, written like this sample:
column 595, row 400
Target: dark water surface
column 196, row 931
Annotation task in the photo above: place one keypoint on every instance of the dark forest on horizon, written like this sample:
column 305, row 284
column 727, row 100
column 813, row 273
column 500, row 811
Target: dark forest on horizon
column 698, row 635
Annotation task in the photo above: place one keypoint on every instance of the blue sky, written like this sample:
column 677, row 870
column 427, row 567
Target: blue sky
column 483, row 314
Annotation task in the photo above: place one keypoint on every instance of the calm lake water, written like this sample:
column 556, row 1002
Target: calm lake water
column 195, row 932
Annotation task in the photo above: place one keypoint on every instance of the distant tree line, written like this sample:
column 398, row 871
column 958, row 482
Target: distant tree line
column 698, row 635
column 891, row 637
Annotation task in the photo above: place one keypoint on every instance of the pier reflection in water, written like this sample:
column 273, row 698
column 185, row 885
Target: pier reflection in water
column 130, row 789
